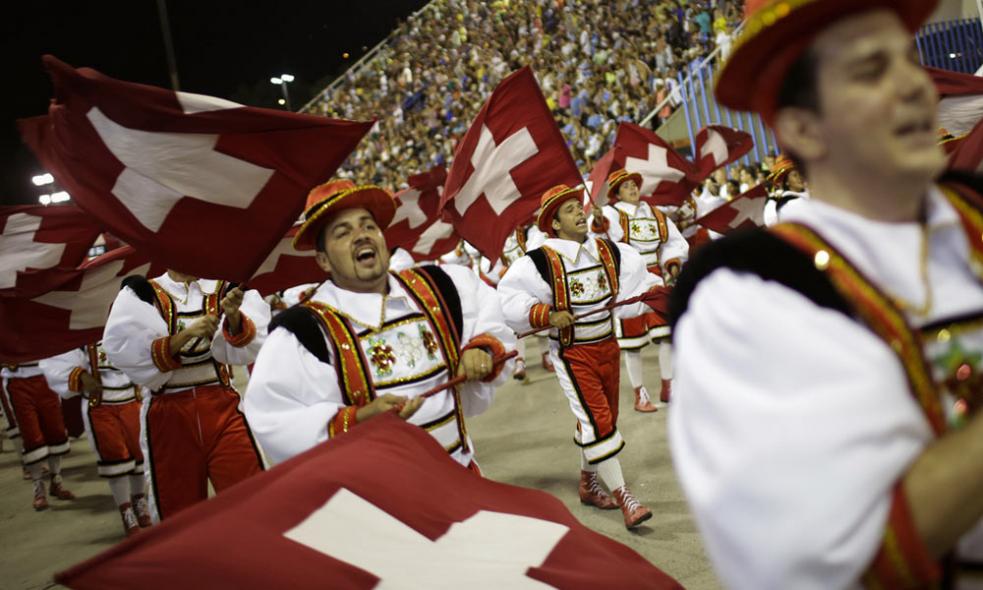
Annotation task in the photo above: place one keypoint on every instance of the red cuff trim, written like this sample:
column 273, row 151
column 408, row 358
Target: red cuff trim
column 492, row 346
column 342, row 422
column 902, row 561
column 160, row 352
column 246, row 333
column 539, row 315
column 75, row 380
column 600, row 226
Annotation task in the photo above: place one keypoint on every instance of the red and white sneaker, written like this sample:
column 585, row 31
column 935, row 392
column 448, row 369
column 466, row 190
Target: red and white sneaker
column 142, row 510
column 642, row 401
column 635, row 514
column 666, row 394
column 592, row 494
column 130, row 524
column 40, row 496
column 58, row 489
column 520, row 370
column 547, row 363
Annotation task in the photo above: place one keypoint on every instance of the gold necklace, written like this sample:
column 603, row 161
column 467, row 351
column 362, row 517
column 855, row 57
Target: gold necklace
column 924, row 309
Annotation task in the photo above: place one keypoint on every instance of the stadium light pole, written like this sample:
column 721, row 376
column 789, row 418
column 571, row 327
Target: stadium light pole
column 282, row 81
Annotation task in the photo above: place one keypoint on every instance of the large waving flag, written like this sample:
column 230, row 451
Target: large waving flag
column 201, row 184
column 70, row 314
column 744, row 211
column 37, row 243
column 380, row 507
column 511, row 155
column 418, row 226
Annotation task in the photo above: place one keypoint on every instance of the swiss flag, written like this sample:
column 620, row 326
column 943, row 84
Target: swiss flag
column 747, row 210
column 717, row 146
column 960, row 100
column 667, row 177
column 203, row 185
column 69, row 315
column 418, row 226
column 36, row 241
column 381, row 506
column 664, row 172
column 286, row 267
column 511, row 155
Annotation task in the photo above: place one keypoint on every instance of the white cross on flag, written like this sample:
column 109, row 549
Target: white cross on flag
column 668, row 178
column 201, row 184
column 747, row 210
column 382, row 506
column 71, row 313
column 511, row 155
column 36, row 242
column 717, row 146
column 286, row 267
column 418, row 226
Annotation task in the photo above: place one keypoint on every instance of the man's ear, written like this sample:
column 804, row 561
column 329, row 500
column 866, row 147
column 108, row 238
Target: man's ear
column 800, row 132
column 323, row 261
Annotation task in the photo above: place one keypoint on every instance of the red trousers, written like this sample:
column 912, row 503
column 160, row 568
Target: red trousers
column 114, row 431
column 71, row 411
column 590, row 376
column 39, row 417
column 11, row 431
column 192, row 437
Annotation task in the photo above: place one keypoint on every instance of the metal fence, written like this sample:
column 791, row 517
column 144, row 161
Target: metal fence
column 953, row 45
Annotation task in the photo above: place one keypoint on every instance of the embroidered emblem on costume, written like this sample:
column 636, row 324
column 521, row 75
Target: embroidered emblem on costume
column 429, row 342
column 576, row 288
column 602, row 281
column 381, row 356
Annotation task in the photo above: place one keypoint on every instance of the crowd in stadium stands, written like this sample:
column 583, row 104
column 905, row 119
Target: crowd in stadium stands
column 598, row 62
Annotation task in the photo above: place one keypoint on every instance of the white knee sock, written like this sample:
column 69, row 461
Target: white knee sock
column 54, row 466
column 520, row 347
column 584, row 465
column 120, row 486
column 609, row 471
column 36, row 470
column 633, row 362
column 136, row 484
column 665, row 359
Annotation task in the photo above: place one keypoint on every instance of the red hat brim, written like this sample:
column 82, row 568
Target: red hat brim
column 775, row 36
column 372, row 198
column 545, row 220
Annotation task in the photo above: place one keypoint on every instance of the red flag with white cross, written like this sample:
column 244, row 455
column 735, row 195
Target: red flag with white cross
column 511, row 155
column 382, row 506
column 37, row 242
column 70, row 314
column 201, row 184
column 418, row 226
column 664, row 172
column 598, row 179
column 718, row 146
column 286, row 267
column 747, row 210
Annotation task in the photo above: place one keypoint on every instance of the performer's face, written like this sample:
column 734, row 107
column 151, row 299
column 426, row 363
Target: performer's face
column 570, row 222
column 354, row 251
column 628, row 192
column 877, row 106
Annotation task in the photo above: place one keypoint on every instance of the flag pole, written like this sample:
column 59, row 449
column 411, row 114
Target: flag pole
column 165, row 29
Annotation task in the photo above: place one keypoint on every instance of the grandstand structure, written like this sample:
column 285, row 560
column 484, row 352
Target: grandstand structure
column 598, row 63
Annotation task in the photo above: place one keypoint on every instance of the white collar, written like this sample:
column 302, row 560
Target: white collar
column 364, row 308
column 203, row 286
column 571, row 250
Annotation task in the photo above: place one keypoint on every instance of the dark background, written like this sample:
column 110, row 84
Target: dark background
column 222, row 48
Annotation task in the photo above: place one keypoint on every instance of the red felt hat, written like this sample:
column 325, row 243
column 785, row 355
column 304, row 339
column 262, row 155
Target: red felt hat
column 330, row 198
column 551, row 201
column 619, row 176
column 775, row 35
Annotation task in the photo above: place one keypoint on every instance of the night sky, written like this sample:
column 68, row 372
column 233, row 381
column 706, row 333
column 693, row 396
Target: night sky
column 223, row 48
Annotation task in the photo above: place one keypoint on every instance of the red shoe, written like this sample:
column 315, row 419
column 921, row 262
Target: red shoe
column 520, row 370
column 547, row 363
column 642, row 402
column 592, row 494
column 635, row 513
column 666, row 392
column 27, row 474
column 40, row 497
column 130, row 524
column 58, row 491
column 142, row 511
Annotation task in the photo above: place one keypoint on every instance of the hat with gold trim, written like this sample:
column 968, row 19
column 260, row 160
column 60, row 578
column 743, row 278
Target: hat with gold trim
column 551, row 201
column 777, row 32
column 330, row 198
